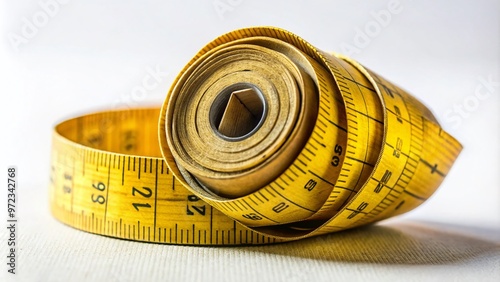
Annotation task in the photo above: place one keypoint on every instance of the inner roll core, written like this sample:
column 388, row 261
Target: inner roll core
column 238, row 112
column 241, row 114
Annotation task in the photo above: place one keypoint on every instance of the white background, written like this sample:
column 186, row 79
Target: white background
column 85, row 56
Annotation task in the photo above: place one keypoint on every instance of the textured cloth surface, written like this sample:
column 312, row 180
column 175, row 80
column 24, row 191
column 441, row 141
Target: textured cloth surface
column 415, row 251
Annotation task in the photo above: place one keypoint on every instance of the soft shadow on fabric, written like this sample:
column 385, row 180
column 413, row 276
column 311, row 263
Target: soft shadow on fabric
column 397, row 243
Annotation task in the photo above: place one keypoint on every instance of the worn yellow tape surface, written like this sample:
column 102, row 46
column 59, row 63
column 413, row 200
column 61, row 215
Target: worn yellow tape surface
column 262, row 138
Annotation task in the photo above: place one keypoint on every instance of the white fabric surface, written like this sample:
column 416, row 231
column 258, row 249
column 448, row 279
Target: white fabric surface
column 396, row 250
column 91, row 55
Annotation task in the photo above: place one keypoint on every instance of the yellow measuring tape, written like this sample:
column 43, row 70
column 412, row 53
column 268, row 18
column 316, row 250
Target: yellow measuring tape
column 262, row 138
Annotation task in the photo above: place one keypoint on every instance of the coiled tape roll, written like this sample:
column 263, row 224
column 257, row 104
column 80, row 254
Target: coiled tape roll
column 262, row 138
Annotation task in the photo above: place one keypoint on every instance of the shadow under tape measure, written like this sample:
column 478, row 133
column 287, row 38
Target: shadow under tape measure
column 404, row 243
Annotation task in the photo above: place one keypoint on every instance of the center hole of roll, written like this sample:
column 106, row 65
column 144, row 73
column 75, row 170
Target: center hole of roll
column 238, row 112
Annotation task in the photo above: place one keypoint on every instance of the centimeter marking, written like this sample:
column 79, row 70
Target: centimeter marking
column 178, row 228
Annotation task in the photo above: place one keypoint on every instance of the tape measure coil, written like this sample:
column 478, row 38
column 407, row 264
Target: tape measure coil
column 378, row 130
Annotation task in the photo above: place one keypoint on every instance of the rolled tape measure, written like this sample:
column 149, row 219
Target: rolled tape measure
column 262, row 138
